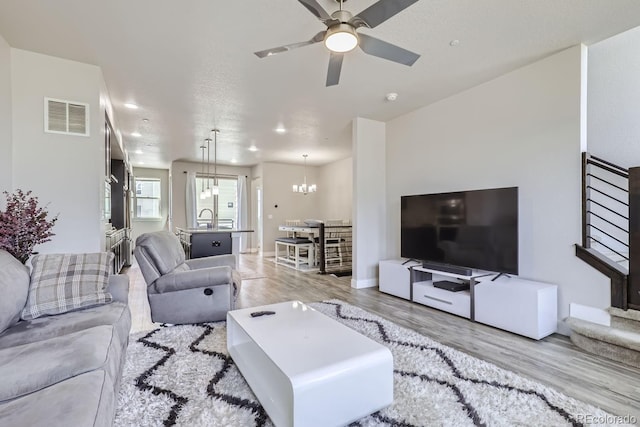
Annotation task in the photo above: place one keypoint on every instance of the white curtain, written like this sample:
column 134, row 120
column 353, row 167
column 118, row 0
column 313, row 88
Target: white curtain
column 243, row 213
column 191, row 195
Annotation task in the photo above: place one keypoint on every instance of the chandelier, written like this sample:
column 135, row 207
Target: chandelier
column 304, row 188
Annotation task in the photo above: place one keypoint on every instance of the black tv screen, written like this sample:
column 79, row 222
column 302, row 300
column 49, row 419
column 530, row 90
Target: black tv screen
column 475, row 229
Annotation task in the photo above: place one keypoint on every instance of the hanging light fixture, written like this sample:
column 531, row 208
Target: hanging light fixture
column 202, row 192
column 215, row 190
column 341, row 37
column 304, row 188
column 207, row 191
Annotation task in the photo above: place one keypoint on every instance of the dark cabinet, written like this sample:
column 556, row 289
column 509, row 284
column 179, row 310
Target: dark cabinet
column 118, row 192
column 208, row 244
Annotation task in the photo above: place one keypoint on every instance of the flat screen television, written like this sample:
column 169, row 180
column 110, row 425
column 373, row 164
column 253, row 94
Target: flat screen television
column 475, row 229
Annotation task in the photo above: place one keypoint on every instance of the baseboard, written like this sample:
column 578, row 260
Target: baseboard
column 364, row 283
column 271, row 254
column 590, row 314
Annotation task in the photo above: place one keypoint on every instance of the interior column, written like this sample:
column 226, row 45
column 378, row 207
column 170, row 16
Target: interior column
column 369, row 200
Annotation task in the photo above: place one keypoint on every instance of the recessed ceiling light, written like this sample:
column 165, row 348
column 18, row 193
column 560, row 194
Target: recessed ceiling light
column 145, row 120
column 136, row 134
column 138, row 151
column 280, row 129
column 392, row 96
column 454, row 42
column 234, row 161
column 253, row 148
column 131, row 105
column 141, row 163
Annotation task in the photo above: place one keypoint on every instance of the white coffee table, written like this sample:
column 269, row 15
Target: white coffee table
column 307, row 369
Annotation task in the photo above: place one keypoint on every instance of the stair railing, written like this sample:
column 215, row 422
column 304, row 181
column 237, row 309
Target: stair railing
column 605, row 207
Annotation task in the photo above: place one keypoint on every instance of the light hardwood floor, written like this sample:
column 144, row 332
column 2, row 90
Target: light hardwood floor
column 553, row 361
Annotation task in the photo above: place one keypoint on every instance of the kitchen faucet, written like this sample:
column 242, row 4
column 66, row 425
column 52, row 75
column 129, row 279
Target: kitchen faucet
column 210, row 225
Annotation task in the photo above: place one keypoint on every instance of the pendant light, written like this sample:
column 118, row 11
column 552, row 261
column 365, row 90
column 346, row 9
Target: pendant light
column 202, row 192
column 215, row 190
column 304, row 188
column 207, row 192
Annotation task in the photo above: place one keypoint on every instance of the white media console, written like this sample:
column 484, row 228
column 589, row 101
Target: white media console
column 516, row 305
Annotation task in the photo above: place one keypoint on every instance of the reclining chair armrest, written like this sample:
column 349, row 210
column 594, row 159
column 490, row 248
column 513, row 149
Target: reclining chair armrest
column 118, row 287
column 193, row 279
column 212, row 261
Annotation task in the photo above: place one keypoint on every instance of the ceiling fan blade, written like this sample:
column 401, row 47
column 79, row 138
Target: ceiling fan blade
column 314, row 7
column 379, row 12
column 287, row 47
column 335, row 66
column 382, row 49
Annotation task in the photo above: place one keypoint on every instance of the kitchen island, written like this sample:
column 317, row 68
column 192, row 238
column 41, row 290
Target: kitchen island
column 203, row 242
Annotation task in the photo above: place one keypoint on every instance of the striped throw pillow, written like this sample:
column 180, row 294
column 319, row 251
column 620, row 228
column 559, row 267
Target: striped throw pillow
column 67, row 282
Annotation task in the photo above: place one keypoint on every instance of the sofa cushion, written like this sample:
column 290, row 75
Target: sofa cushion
column 190, row 279
column 85, row 400
column 31, row 367
column 66, row 282
column 43, row 328
column 14, row 287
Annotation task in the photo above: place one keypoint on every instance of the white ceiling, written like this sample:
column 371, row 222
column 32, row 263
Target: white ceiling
column 190, row 67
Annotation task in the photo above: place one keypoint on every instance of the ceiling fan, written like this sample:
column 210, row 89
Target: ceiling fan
column 341, row 35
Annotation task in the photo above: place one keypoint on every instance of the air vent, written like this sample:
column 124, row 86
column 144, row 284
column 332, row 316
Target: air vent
column 66, row 117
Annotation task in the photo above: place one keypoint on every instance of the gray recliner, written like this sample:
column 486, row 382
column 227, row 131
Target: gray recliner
column 185, row 291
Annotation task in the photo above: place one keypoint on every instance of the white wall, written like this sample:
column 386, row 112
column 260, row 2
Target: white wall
column 179, row 186
column 369, row 195
column 65, row 172
column 277, row 182
column 614, row 99
column 335, row 190
column 6, row 155
column 521, row 129
column 146, row 225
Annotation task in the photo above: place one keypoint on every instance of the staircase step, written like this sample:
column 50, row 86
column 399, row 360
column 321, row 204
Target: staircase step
column 621, row 344
column 625, row 314
column 625, row 319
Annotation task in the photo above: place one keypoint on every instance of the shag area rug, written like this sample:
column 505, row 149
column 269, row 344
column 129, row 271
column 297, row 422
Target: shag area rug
column 183, row 375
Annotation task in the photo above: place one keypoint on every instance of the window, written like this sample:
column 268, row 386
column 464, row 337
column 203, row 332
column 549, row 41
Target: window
column 147, row 198
column 225, row 203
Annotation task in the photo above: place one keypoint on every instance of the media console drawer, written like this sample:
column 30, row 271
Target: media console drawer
column 516, row 305
column 457, row 303
column 394, row 277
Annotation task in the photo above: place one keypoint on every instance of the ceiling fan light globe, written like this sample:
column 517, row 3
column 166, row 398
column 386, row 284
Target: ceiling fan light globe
column 341, row 38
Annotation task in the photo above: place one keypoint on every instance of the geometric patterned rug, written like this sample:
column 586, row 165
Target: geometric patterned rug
column 182, row 375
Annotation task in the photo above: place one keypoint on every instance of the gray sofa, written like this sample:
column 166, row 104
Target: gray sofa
column 185, row 291
column 60, row 370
